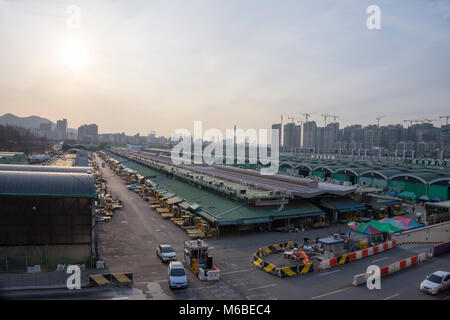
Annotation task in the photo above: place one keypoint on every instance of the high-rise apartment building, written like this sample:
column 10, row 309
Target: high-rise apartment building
column 88, row 133
column 292, row 137
column 277, row 126
column 309, row 135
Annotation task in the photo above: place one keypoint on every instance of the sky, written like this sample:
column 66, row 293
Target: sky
column 159, row 65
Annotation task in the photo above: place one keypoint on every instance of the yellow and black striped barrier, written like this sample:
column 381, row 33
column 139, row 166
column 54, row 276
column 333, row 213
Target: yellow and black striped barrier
column 258, row 261
column 294, row 271
column 110, row 278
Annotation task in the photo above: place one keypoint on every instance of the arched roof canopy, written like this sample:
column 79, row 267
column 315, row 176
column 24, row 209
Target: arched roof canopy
column 385, row 174
column 316, row 168
column 304, row 165
column 47, row 184
column 355, row 171
column 286, row 165
column 440, row 179
column 295, row 164
column 407, row 176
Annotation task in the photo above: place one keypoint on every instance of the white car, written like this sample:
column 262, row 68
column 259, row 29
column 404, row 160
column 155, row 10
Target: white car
column 436, row 282
column 166, row 253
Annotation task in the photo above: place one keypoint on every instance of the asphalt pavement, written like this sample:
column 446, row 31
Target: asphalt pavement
column 128, row 244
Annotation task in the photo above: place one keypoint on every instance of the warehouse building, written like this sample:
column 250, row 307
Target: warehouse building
column 233, row 215
column 46, row 218
column 417, row 182
column 37, row 168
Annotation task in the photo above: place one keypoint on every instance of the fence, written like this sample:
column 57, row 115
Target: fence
column 46, row 263
column 41, row 280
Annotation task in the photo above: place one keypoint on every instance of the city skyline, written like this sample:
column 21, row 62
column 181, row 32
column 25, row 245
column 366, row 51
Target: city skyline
column 304, row 60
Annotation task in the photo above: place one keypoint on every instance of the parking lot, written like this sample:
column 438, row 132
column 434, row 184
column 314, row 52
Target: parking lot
column 128, row 244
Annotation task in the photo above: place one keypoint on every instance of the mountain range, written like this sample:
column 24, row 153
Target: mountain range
column 25, row 122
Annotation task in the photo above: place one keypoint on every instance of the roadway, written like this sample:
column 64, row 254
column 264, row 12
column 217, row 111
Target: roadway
column 128, row 243
column 232, row 254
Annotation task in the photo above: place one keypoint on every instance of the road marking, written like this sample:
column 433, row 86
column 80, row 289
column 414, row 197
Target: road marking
column 393, row 296
column 379, row 259
column 326, row 273
column 238, row 271
column 268, row 286
column 330, row 293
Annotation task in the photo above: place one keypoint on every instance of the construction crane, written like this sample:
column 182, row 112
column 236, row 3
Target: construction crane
column 378, row 119
column 333, row 116
column 422, row 121
column 292, row 118
column 410, row 122
column 306, row 115
column 325, row 116
column 441, row 117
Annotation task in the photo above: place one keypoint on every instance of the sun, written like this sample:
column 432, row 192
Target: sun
column 75, row 54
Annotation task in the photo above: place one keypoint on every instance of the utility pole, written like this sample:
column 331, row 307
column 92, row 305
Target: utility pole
column 281, row 136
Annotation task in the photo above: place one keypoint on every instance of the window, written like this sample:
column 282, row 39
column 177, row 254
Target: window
column 434, row 278
column 167, row 249
column 177, row 272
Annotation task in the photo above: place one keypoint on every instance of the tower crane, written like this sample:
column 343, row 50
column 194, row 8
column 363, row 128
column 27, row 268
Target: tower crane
column 333, row 116
column 446, row 118
column 306, row 115
column 422, row 121
column 410, row 122
column 325, row 116
column 378, row 119
column 293, row 119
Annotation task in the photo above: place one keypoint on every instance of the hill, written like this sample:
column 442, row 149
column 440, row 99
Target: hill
column 25, row 122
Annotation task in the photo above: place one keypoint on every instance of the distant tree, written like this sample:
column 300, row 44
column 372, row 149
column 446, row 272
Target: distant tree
column 17, row 139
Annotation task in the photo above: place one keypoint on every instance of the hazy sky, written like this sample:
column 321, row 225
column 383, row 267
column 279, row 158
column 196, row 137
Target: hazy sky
column 160, row 65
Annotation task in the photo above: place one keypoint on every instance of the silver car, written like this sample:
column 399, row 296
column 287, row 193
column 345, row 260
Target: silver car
column 177, row 275
column 436, row 282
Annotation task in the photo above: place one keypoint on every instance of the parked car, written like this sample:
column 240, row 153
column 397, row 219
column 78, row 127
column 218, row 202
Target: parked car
column 166, row 253
column 133, row 187
column 436, row 282
column 177, row 275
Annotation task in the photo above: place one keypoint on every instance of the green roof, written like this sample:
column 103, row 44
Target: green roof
column 20, row 167
column 47, row 184
column 146, row 171
column 225, row 211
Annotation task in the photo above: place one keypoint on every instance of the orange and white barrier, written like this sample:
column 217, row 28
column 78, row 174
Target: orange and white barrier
column 393, row 267
column 357, row 255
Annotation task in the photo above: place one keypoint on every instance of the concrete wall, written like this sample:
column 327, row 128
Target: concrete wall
column 434, row 233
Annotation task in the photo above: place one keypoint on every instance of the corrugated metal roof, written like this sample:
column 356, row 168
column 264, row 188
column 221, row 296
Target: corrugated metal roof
column 174, row 200
column 47, row 184
column 230, row 212
column 38, row 168
column 342, row 205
